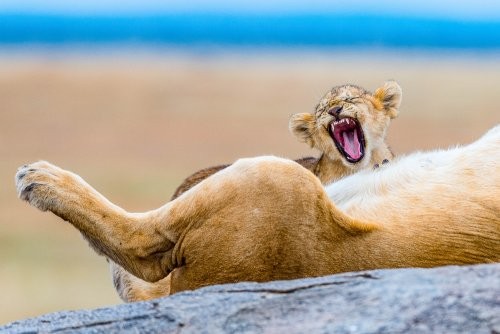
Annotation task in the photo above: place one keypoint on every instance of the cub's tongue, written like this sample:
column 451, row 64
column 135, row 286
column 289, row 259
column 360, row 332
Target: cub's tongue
column 351, row 143
column 348, row 137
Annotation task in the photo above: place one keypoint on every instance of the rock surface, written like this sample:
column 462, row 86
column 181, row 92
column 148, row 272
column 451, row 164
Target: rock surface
column 440, row 300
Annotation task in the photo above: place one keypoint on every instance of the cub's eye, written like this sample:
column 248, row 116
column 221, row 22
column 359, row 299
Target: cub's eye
column 355, row 99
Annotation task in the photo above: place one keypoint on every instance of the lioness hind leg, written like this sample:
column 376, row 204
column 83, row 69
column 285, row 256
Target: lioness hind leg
column 248, row 204
column 123, row 237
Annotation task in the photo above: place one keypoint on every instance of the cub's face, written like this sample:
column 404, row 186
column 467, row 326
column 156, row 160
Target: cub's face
column 349, row 122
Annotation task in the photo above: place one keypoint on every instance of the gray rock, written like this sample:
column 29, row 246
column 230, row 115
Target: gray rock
column 440, row 300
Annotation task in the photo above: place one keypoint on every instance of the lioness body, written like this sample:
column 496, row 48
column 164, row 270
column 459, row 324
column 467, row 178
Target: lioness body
column 268, row 218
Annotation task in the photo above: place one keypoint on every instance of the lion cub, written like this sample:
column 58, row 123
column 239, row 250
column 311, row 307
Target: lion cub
column 348, row 127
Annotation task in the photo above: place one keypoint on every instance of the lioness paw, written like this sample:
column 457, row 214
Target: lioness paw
column 37, row 184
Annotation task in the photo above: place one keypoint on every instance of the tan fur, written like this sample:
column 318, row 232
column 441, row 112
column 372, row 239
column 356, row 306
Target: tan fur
column 269, row 218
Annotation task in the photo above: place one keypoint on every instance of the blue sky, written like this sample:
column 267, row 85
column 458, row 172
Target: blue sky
column 459, row 9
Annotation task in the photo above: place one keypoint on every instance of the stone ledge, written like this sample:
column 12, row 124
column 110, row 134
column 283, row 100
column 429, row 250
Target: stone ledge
column 440, row 300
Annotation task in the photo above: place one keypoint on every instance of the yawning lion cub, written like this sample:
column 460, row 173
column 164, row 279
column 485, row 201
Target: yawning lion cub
column 348, row 127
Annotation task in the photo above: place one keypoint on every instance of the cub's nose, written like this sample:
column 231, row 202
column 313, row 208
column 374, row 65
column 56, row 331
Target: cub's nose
column 335, row 110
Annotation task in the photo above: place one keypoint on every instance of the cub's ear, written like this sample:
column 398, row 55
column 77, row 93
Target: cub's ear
column 389, row 96
column 302, row 126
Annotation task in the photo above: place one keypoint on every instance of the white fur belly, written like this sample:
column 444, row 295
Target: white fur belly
column 459, row 173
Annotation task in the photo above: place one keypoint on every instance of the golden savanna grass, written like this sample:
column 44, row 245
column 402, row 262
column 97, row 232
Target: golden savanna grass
column 135, row 126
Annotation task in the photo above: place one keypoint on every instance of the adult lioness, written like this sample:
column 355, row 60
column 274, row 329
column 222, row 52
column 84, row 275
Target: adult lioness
column 348, row 127
column 269, row 218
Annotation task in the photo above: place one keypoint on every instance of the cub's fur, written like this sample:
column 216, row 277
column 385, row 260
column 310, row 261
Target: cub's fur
column 372, row 111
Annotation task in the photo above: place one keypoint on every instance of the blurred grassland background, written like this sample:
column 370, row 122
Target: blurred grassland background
column 134, row 127
column 134, row 122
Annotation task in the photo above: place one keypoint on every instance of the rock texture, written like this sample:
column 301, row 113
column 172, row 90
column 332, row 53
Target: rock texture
column 440, row 300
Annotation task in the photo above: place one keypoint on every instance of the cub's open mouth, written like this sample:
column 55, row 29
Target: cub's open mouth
column 348, row 137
